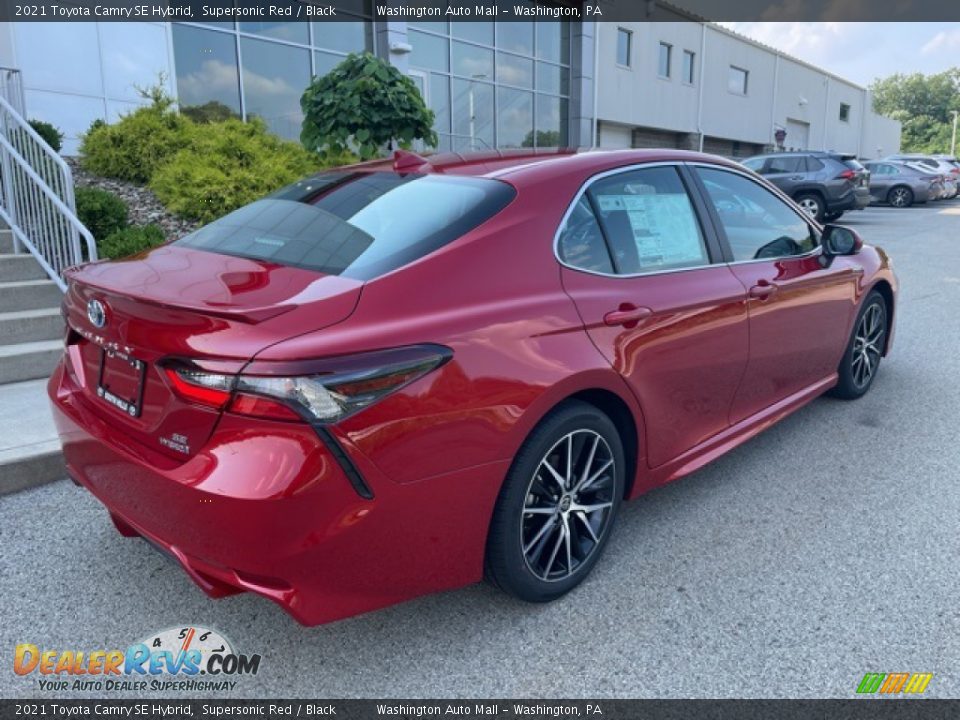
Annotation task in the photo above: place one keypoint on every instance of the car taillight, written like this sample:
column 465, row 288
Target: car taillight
column 199, row 386
column 320, row 391
column 846, row 175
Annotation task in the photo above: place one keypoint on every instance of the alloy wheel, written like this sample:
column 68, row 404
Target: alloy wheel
column 899, row 197
column 810, row 207
column 568, row 505
column 867, row 345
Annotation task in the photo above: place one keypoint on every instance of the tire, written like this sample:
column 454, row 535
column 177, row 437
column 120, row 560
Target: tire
column 861, row 360
column 526, row 555
column 900, row 196
column 812, row 205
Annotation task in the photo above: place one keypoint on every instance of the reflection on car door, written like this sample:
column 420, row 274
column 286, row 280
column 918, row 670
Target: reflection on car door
column 670, row 318
column 799, row 310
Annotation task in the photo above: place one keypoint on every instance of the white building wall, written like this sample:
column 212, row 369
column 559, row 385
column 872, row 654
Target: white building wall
column 726, row 114
column 74, row 73
column 635, row 95
column 783, row 93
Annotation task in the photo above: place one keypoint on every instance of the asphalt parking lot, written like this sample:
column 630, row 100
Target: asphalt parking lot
column 823, row 549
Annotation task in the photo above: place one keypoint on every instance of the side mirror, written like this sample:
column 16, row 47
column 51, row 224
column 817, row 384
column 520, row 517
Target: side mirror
column 839, row 240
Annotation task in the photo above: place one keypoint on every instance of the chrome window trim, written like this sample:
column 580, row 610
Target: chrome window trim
column 617, row 171
column 747, row 173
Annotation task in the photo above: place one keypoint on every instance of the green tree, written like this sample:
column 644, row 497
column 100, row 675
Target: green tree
column 923, row 104
column 363, row 104
column 210, row 112
column 545, row 138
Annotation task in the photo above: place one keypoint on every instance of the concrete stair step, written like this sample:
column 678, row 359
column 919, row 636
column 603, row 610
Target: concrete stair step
column 28, row 361
column 29, row 295
column 31, row 325
column 29, row 447
column 6, row 241
column 20, row 267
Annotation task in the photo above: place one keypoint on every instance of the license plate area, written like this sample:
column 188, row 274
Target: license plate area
column 120, row 382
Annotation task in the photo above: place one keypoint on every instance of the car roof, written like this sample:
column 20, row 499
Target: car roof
column 522, row 163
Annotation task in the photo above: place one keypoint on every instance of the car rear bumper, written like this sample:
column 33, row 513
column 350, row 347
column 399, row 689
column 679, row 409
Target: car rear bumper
column 265, row 507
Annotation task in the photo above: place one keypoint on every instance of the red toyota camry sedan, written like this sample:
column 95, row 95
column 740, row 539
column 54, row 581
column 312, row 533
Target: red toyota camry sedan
column 400, row 377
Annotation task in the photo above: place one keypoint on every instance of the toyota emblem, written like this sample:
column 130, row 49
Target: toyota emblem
column 96, row 313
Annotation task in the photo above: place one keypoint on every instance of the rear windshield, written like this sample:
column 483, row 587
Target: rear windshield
column 359, row 225
column 853, row 164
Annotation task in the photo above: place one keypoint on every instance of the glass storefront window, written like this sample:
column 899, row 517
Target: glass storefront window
column 553, row 41
column 472, row 61
column 551, row 121
column 289, row 31
column 473, row 115
column 324, row 62
column 514, row 70
column 429, row 52
column 516, row 37
column 440, row 102
column 345, row 36
column 274, row 77
column 553, row 79
column 514, row 118
column 206, row 62
column 474, row 31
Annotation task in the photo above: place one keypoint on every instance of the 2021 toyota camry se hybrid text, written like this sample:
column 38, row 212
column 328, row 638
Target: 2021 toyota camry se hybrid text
column 399, row 377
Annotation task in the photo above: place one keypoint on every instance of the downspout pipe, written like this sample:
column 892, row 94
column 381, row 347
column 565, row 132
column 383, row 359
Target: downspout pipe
column 703, row 63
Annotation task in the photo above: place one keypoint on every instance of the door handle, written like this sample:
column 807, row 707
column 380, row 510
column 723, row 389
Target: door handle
column 627, row 315
column 763, row 290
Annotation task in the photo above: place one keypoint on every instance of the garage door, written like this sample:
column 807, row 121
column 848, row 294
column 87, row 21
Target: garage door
column 798, row 135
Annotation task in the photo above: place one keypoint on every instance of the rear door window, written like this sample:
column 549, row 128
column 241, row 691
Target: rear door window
column 649, row 221
column 359, row 225
column 778, row 165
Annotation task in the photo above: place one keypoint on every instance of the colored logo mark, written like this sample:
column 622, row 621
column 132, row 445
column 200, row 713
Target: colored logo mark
column 893, row 683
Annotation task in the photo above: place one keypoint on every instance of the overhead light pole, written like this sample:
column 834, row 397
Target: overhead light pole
column 953, row 142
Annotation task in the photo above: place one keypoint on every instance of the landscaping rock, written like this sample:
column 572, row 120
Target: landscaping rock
column 144, row 206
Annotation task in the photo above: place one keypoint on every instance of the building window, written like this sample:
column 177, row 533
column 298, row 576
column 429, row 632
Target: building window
column 207, row 70
column 271, row 61
column 663, row 68
column 738, row 79
column 844, row 112
column 494, row 86
column 624, row 40
column 689, row 60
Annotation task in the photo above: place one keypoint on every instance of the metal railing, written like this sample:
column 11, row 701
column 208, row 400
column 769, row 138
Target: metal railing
column 36, row 190
column 11, row 87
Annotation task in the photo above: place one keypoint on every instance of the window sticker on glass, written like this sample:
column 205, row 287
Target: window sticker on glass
column 663, row 225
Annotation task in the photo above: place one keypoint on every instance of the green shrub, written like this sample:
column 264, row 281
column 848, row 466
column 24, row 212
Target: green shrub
column 101, row 211
column 130, row 240
column 48, row 132
column 365, row 103
column 226, row 165
column 133, row 148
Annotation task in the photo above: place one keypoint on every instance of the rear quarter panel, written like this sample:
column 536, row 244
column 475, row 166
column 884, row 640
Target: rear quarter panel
column 495, row 298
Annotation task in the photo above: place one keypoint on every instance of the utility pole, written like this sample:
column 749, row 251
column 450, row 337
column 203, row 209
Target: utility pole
column 953, row 143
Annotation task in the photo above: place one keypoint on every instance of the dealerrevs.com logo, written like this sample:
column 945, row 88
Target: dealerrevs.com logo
column 185, row 659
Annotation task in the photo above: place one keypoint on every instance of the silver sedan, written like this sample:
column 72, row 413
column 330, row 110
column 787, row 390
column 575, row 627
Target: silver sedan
column 901, row 185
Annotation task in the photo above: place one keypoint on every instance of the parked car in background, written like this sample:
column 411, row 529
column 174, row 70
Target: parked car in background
column 900, row 185
column 948, row 185
column 946, row 165
column 938, row 183
column 823, row 184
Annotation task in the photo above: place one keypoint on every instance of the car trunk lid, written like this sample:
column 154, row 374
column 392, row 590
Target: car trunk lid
column 181, row 303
